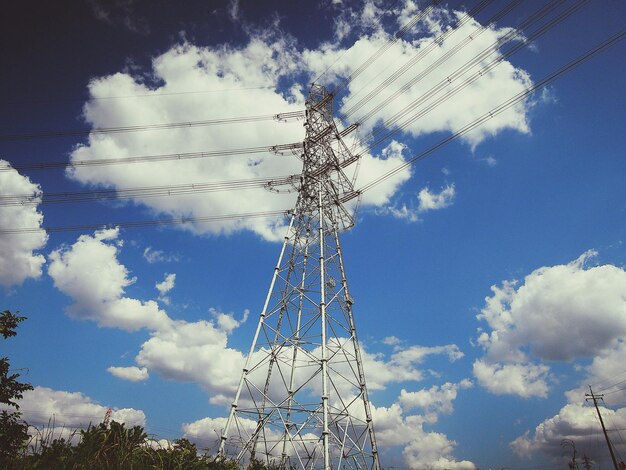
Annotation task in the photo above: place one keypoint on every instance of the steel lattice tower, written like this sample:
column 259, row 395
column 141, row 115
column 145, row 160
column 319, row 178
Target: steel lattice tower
column 302, row 400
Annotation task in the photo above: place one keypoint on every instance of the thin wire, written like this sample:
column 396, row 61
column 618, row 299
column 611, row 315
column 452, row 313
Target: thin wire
column 423, row 52
column 392, row 40
column 343, row 54
column 459, row 72
column 611, row 378
column 281, row 117
column 614, row 391
column 143, row 223
column 146, row 95
column 611, row 41
column 444, row 84
column 46, row 165
column 143, row 192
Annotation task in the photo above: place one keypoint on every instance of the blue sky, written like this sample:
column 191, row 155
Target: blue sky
column 491, row 274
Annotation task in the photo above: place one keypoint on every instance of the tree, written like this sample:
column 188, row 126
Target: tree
column 13, row 431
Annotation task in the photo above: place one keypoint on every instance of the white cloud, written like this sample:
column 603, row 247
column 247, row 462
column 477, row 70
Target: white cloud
column 429, row 201
column 254, row 69
column 71, row 410
column 133, row 374
column 391, row 340
column 421, row 449
column 524, row 380
column 435, row 400
column 18, row 260
column 158, row 256
column 166, row 286
column 89, row 272
column 575, row 422
column 226, row 321
column 198, row 351
column 581, row 423
column 494, row 87
column 186, row 67
column 417, row 354
column 532, row 324
column 536, row 321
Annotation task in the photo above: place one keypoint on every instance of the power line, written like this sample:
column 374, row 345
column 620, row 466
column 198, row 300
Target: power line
column 281, row 117
column 451, row 92
column 613, row 385
column 611, row 41
column 47, row 165
column 460, row 71
column 423, row 52
column 144, row 192
column 391, row 40
column 144, row 95
column 143, row 223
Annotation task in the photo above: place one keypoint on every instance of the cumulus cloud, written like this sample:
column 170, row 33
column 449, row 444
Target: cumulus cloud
column 165, row 286
column 91, row 274
column 133, row 374
column 394, row 428
column 536, row 320
column 65, row 412
column 576, row 422
column 531, row 324
column 421, row 449
column 417, row 354
column 88, row 271
column 18, row 260
column 429, row 201
column 368, row 104
column 199, row 352
column 435, row 400
column 524, row 380
column 253, row 70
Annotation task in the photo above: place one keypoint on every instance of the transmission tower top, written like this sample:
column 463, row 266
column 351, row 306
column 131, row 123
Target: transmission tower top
column 326, row 156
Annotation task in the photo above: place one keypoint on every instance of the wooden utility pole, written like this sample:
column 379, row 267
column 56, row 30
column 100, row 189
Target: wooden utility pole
column 595, row 398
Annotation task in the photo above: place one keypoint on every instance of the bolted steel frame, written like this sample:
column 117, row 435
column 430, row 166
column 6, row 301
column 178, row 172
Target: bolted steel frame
column 302, row 399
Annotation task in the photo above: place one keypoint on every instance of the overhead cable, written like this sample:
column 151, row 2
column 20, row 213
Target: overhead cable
column 444, row 84
column 346, row 50
column 154, row 94
column 423, row 52
column 478, row 59
column 611, row 41
column 143, row 223
column 281, row 117
column 78, row 163
column 390, row 42
column 144, row 192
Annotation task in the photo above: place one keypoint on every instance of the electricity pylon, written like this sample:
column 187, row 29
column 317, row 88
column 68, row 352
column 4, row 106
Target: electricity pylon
column 302, row 400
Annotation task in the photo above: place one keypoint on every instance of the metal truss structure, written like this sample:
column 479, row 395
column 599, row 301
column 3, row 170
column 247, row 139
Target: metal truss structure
column 302, row 400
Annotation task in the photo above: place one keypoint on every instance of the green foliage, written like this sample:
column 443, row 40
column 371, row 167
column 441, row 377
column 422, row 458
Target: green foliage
column 115, row 446
column 13, row 431
column 8, row 323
